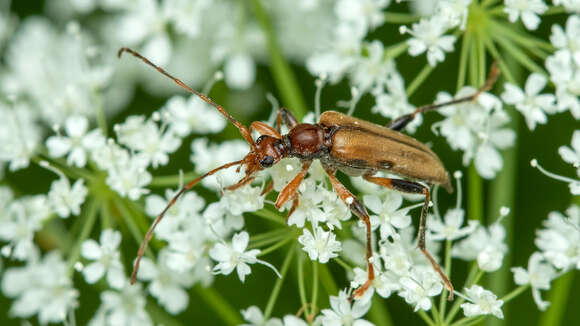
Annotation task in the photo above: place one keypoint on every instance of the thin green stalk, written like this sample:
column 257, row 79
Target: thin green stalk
column 379, row 314
column 503, row 67
column 473, row 64
column 482, row 70
column 487, row 3
column 517, row 291
column 465, row 45
column 300, row 276
column 469, row 321
column 278, row 285
column 106, row 218
column 90, row 217
column 457, row 304
column 219, row 304
column 127, row 217
column 518, row 54
column 267, row 235
column 475, row 194
column 400, row 18
column 425, row 318
column 270, row 216
column 100, row 113
column 283, row 75
column 276, row 246
column 558, row 298
column 528, row 41
column 172, row 180
column 419, row 79
column 342, row 263
column 435, row 312
column 266, row 241
column 555, row 10
column 497, row 11
column 443, row 297
column 327, row 280
column 395, row 50
column 160, row 316
column 314, row 287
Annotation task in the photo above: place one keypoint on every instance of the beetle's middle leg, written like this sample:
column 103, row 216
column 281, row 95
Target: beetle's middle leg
column 416, row 188
column 289, row 191
column 359, row 210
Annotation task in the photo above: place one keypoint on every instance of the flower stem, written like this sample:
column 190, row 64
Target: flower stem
column 518, row 54
column 283, row 75
column 504, row 68
column 300, row 275
column 469, row 321
column 90, row 217
column 465, row 45
column 270, row 216
column 100, row 113
column 131, row 225
column 159, row 316
column 395, row 50
column 517, row 291
column 379, row 313
column 314, row 287
column 474, row 275
column 400, row 18
column 327, row 280
column 475, row 194
column 220, row 305
column 172, row 180
column 425, row 318
column 419, row 79
column 277, row 245
column 443, row 298
column 278, row 285
column 558, row 298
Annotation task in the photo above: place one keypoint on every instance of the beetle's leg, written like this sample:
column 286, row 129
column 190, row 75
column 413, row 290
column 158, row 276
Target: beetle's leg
column 359, row 210
column 402, row 121
column 287, row 118
column 264, row 129
column 269, row 187
column 290, row 190
column 240, row 183
column 416, row 188
column 295, row 202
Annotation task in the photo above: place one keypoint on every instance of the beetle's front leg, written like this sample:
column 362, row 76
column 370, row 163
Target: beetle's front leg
column 359, row 210
column 289, row 192
column 416, row 188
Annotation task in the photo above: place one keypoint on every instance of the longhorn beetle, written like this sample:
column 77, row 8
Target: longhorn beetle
column 353, row 146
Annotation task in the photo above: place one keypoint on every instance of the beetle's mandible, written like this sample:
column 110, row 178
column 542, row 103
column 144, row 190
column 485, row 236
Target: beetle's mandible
column 353, row 146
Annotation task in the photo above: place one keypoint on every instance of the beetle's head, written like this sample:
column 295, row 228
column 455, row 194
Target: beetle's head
column 269, row 151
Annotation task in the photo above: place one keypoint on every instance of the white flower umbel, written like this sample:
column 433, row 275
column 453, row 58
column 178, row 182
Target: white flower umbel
column 129, row 179
column 559, row 240
column 106, row 258
column 254, row 316
column 344, row 312
column 394, row 102
column 539, row 275
column 573, row 184
column 167, row 285
column 234, row 255
column 367, row 13
column 373, row 70
column 568, row 40
column 419, row 287
column 309, row 204
column 384, row 284
column 124, row 307
column 483, row 302
column 243, row 199
column 321, row 246
column 428, row 35
column 192, row 114
column 454, row 12
column 77, row 143
column 531, row 104
column 571, row 6
column 64, row 199
column 565, row 74
column 528, row 9
column 41, row 288
column 19, row 135
column 389, row 214
column 572, row 154
column 484, row 244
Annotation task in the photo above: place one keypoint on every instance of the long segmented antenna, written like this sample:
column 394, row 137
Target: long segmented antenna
column 149, row 234
column 243, row 130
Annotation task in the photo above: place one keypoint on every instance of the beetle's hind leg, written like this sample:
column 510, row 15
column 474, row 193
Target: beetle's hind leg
column 416, row 188
column 359, row 210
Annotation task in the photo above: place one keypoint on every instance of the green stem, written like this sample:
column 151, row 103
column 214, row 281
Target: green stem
column 559, row 297
column 400, row 18
column 425, row 318
column 555, row 10
column 264, row 242
column 172, row 180
column 327, row 280
column 314, row 287
column 267, row 235
column 470, row 281
column 301, row 286
column 276, row 246
column 128, row 217
column 435, row 312
column 283, row 75
column 504, row 68
column 419, row 79
column 469, row 321
column 278, row 285
column 219, row 304
column 527, row 41
column 90, row 217
column 443, row 298
column 465, row 45
column 475, row 194
column 159, row 316
column 517, row 291
column 379, row 313
column 487, row 3
column 482, row 71
column 100, row 113
column 270, row 216
column 473, row 64
column 517, row 53
column 395, row 50
column 342, row 263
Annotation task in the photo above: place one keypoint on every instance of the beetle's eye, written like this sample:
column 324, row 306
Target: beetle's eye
column 259, row 140
column 267, row 161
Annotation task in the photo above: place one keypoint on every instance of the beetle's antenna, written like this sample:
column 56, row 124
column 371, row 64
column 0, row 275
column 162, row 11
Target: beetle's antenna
column 149, row 234
column 243, row 130
column 402, row 121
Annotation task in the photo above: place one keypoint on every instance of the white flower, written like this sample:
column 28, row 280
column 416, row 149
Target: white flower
column 234, row 255
column 528, row 9
column 428, row 36
column 419, row 286
column 77, row 143
column 344, row 312
column 532, row 105
column 243, row 199
column 484, row 302
column 187, row 15
column 454, row 12
column 385, row 282
column 394, row 103
column 67, row 200
column 19, row 135
column 167, row 285
column 367, row 13
column 572, row 6
column 373, row 70
column 388, row 213
column 539, row 275
column 130, row 179
column 126, row 307
column 568, row 40
column 310, row 204
column 152, row 145
column 107, row 259
column 192, row 115
column 255, row 317
column 559, row 240
column 41, row 288
column 206, row 157
column 484, row 244
column 321, row 246
column 451, row 229
column 566, row 76
column 572, row 155
column 221, row 221
column 335, row 211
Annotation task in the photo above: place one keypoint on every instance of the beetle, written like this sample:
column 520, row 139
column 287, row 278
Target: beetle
column 342, row 143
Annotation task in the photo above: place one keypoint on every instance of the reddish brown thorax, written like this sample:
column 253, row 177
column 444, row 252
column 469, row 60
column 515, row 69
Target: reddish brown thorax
column 306, row 141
